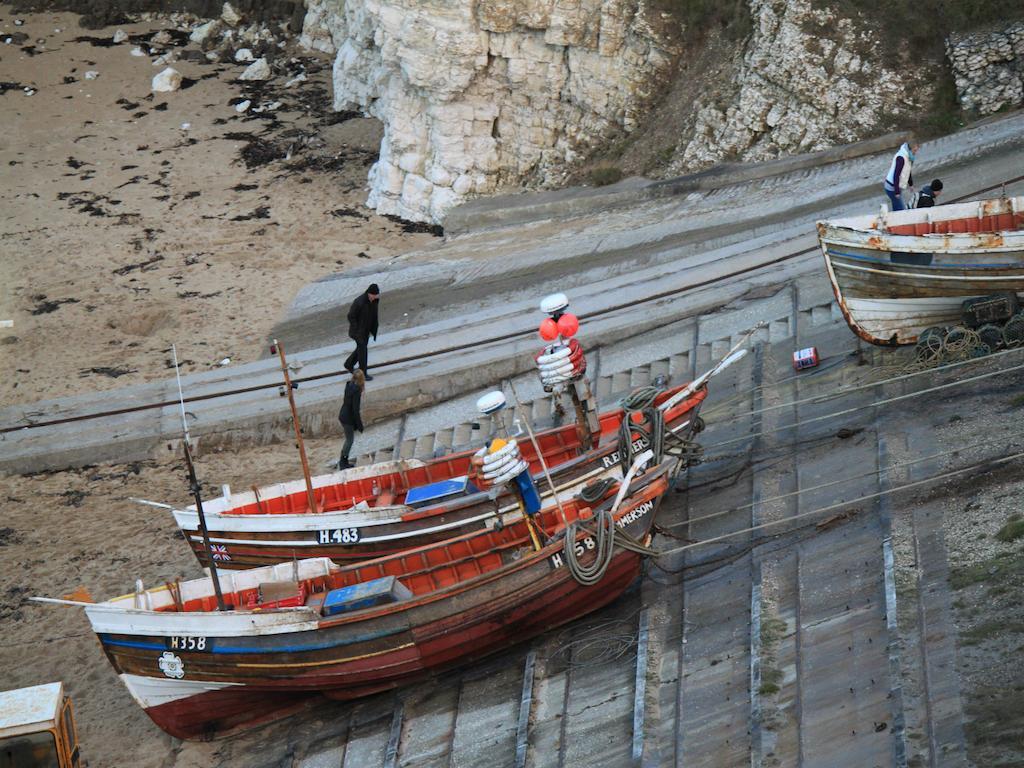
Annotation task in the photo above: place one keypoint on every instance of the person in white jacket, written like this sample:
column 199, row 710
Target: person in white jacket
column 900, row 176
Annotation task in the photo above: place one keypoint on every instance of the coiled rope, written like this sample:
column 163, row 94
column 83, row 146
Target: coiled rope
column 640, row 398
column 605, row 535
column 604, row 546
column 597, row 490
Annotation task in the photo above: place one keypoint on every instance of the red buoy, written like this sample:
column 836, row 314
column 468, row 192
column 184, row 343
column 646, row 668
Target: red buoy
column 548, row 329
column 568, row 325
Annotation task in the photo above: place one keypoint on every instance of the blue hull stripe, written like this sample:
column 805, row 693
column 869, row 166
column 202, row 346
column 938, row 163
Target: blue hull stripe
column 215, row 646
column 887, row 263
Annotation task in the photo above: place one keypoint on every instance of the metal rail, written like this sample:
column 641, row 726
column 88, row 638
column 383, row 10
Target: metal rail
column 457, row 347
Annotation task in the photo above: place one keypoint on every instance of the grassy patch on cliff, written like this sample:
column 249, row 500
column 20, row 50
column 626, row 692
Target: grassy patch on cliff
column 701, row 17
column 922, row 27
column 914, row 36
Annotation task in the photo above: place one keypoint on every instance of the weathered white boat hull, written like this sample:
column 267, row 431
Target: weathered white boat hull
column 896, row 274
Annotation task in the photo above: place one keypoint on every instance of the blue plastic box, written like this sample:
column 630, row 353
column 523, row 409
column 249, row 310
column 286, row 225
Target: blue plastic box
column 423, row 495
column 365, row 595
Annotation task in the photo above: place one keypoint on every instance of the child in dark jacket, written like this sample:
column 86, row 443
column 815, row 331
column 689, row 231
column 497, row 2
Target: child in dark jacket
column 349, row 415
column 929, row 192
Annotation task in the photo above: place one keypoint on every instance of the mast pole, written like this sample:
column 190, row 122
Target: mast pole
column 196, row 493
column 279, row 348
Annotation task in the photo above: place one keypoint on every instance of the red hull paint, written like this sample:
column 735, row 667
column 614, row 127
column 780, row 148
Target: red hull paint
column 233, row 708
column 229, row 709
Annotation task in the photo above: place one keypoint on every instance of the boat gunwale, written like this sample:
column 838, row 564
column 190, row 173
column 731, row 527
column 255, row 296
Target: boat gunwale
column 307, row 615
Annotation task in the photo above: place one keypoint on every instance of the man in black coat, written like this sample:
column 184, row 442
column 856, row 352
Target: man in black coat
column 362, row 323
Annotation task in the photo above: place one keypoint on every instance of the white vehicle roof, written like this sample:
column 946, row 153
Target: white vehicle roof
column 27, row 710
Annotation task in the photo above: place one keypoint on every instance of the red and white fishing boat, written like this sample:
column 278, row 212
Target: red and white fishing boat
column 898, row 273
column 297, row 630
column 385, row 508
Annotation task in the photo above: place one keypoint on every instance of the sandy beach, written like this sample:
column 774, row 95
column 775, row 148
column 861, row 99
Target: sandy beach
column 133, row 220
column 65, row 530
column 130, row 221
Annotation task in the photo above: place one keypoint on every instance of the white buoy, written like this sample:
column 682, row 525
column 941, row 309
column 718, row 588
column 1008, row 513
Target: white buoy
column 490, row 403
column 556, row 302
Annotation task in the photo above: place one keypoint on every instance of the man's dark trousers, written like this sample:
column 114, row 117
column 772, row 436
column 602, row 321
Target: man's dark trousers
column 358, row 354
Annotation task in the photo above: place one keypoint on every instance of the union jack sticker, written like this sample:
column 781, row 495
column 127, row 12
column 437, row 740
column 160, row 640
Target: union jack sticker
column 220, row 552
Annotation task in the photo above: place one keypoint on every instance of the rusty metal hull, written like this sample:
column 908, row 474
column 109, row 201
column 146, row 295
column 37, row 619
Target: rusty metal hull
column 896, row 274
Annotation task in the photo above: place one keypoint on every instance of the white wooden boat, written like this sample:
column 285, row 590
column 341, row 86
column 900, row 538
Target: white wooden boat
column 895, row 274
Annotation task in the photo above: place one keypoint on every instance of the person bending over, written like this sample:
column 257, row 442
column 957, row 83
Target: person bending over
column 350, row 417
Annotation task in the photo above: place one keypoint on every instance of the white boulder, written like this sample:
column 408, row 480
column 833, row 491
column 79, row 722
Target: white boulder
column 204, row 32
column 258, row 70
column 243, row 55
column 167, row 81
column 120, row 36
column 92, row 74
column 230, row 16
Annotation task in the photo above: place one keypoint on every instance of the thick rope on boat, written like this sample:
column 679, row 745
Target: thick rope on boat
column 651, row 430
column 601, row 540
column 640, row 398
column 596, row 490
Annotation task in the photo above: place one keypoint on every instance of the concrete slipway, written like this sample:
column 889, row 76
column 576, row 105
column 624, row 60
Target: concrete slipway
column 629, row 268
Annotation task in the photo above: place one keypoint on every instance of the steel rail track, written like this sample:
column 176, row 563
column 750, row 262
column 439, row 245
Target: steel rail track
column 454, row 348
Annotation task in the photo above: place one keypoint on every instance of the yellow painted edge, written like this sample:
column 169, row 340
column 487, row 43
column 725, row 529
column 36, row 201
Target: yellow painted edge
column 151, row 590
column 324, row 663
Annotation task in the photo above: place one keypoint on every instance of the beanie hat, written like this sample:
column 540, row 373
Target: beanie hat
column 373, row 289
column 937, row 185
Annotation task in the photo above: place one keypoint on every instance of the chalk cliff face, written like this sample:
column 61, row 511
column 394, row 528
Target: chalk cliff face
column 480, row 95
column 476, row 94
column 807, row 80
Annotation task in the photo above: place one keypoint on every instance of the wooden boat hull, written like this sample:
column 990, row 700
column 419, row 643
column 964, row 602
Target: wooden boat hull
column 252, row 540
column 243, row 675
column 895, row 275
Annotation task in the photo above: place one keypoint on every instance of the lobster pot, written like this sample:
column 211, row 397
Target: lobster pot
column 1013, row 331
column 991, row 336
column 929, row 343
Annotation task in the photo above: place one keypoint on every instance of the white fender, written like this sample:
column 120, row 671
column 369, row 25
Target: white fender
column 551, row 357
column 510, row 447
column 498, row 466
column 512, row 471
column 562, row 367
